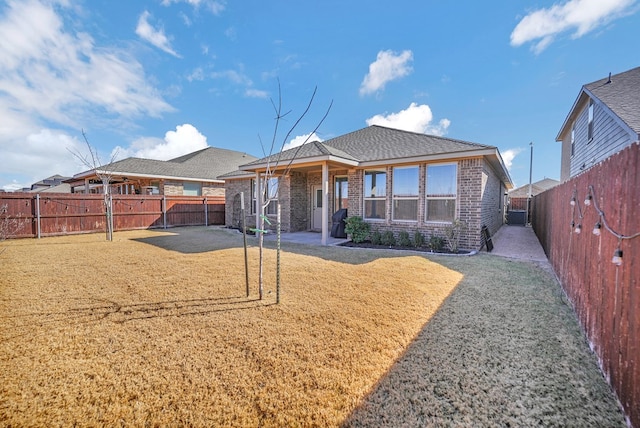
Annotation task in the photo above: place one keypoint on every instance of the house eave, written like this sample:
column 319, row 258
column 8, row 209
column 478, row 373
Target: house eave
column 95, row 172
column 308, row 161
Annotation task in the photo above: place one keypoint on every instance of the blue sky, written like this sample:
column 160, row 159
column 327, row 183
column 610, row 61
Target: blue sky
column 161, row 78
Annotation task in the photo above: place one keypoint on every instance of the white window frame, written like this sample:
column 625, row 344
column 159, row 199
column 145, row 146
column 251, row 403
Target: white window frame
column 427, row 198
column 395, row 197
column 382, row 199
column 590, row 115
column 573, row 140
column 272, row 208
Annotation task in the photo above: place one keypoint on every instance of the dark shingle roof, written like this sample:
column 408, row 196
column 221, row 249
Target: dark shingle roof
column 205, row 164
column 621, row 94
column 377, row 143
column 536, row 188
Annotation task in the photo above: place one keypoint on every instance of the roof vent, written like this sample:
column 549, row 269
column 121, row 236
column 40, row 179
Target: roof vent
column 609, row 81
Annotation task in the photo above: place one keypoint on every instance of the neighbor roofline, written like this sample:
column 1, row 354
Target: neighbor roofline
column 284, row 163
column 95, row 172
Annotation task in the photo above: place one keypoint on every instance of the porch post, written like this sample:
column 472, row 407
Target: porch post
column 325, row 203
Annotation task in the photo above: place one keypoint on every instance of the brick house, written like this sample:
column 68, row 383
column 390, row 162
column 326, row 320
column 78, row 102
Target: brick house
column 604, row 119
column 395, row 180
column 193, row 174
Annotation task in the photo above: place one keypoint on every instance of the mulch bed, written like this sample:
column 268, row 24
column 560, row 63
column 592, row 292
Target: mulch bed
column 370, row 245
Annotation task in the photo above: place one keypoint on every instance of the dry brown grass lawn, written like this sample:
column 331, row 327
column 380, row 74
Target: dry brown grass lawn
column 155, row 329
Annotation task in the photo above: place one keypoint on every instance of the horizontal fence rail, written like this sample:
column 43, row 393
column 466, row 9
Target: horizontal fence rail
column 604, row 295
column 27, row 215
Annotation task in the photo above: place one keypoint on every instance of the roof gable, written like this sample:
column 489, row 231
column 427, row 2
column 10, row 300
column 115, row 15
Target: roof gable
column 376, row 143
column 621, row 93
column 205, row 164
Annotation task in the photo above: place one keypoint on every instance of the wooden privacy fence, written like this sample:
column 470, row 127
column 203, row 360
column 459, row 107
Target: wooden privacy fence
column 605, row 296
column 35, row 215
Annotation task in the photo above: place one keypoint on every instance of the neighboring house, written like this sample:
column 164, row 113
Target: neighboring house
column 194, row 174
column 396, row 180
column 604, row 119
column 518, row 197
column 54, row 184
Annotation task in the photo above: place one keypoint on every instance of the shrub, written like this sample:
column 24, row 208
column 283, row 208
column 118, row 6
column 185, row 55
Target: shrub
column 403, row 239
column 418, row 239
column 388, row 238
column 452, row 235
column 376, row 237
column 357, row 228
column 436, row 243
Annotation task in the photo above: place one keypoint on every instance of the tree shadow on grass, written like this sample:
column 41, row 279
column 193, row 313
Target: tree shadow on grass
column 19, row 325
column 193, row 240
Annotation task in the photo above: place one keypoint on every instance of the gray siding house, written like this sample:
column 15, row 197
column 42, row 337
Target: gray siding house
column 395, row 180
column 604, row 119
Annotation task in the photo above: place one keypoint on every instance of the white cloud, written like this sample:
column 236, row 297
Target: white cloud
column 55, row 80
column 388, row 66
column 300, row 140
column 38, row 154
column 185, row 139
column 156, row 37
column 215, row 7
column 46, row 72
column 508, row 156
column 415, row 118
column 580, row 16
column 256, row 93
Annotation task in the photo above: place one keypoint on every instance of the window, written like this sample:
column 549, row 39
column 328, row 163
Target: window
column 573, row 140
column 590, row 122
column 341, row 193
column 405, row 193
column 441, row 192
column 272, row 193
column 375, row 194
column 191, row 189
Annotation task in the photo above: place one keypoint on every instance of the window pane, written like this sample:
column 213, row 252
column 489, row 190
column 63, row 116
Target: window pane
column 374, row 209
column 191, row 189
column 341, row 193
column 375, row 184
column 441, row 180
column 405, row 209
column 441, row 210
column 405, row 181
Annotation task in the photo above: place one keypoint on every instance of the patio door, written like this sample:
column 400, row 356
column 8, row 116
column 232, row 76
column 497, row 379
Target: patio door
column 316, row 215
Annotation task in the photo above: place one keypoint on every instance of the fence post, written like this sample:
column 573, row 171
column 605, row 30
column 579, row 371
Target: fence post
column 164, row 211
column 38, row 214
column 206, row 212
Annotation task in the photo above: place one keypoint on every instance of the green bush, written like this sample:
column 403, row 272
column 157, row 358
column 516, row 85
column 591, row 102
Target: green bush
column 418, row 239
column 357, row 228
column 436, row 243
column 403, row 239
column 388, row 238
column 376, row 237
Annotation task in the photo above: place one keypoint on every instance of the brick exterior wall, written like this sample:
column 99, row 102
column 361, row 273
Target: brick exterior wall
column 479, row 201
column 212, row 189
column 232, row 210
column 173, row 188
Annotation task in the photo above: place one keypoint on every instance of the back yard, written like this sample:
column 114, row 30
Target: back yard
column 154, row 329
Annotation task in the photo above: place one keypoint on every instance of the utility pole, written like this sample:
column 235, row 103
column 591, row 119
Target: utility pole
column 529, row 195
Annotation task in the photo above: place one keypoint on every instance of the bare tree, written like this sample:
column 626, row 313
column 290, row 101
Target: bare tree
column 103, row 172
column 276, row 166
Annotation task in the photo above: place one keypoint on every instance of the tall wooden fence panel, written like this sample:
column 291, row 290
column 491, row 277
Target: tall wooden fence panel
column 34, row 215
column 605, row 296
